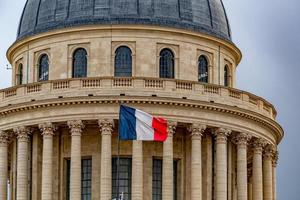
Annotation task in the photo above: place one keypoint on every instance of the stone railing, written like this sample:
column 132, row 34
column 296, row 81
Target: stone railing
column 110, row 86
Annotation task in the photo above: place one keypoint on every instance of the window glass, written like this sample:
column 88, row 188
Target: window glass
column 20, row 74
column 203, row 70
column 79, row 63
column 226, row 76
column 43, row 68
column 125, row 167
column 123, row 62
column 166, row 64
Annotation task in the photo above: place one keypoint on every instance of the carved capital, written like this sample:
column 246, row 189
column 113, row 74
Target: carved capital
column 106, row 126
column 258, row 145
column 221, row 135
column 76, row 127
column 197, row 130
column 4, row 139
column 241, row 139
column 269, row 152
column 275, row 159
column 22, row 133
column 171, row 128
column 47, row 129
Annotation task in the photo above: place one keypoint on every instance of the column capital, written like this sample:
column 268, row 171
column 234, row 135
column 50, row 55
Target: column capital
column 275, row 159
column 241, row 139
column 106, row 126
column 171, row 128
column 221, row 135
column 258, row 145
column 76, row 127
column 47, row 128
column 4, row 139
column 23, row 133
column 269, row 151
column 197, row 130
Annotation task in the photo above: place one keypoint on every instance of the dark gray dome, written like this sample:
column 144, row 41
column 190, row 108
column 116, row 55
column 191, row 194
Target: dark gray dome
column 206, row 16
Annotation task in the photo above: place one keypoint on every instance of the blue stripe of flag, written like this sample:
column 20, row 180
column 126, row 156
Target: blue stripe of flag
column 127, row 123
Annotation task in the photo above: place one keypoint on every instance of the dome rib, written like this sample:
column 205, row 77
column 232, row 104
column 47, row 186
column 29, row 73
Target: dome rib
column 205, row 16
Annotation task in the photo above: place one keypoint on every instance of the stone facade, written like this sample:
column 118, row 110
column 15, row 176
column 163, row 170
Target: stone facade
column 224, row 140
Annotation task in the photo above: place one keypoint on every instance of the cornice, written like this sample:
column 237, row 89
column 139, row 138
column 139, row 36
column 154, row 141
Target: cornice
column 215, row 107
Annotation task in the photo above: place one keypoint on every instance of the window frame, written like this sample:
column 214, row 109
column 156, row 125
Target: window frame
column 171, row 74
column 83, row 68
column 19, row 74
column 42, row 70
column 207, row 69
column 116, row 62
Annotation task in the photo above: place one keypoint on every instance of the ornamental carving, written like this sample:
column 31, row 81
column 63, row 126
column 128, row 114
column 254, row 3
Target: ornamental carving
column 258, row 145
column 197, row 130
column 241, row 139
column 221, row 135
column 106, row 126
column 76, row 127
column 22, row 133
column 171, row 128
column 47, row 129
column 269, row 152
column 4, row 139
column 275, row 159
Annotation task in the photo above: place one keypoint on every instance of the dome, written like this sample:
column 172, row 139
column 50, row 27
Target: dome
column 204, row 16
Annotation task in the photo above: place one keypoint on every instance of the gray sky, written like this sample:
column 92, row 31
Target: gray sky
column 268, row 34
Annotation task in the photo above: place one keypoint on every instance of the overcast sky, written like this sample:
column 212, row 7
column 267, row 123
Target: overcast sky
column 268, row 34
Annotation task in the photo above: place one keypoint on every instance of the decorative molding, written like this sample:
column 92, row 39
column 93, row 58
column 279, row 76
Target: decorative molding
column 241, row 139
column 47, row 129
column 23, row 133
column 275, row 159
column 76, row 127
column 197, row 130
column 171, row 128
column 258, row 144
column 106, row 126
column 269, row 152
column 221, row 135
column 4, row 139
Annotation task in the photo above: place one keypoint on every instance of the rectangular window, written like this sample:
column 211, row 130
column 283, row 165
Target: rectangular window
column 124, row 183
column 86, row 179
column 157, row 179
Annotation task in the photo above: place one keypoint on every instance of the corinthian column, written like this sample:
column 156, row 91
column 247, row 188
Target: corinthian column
column 257, row 175
column 137, row 168
column 3, row 165
column 241, row 141
column 22, row 160
column 268, row 171
column 274, row 164
column 221, row 163
column 47, row 130
column 106, row 128
column 196, row 165
column 168, row 172
column 76, row 127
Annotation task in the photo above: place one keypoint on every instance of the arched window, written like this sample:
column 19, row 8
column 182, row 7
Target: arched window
column 203, row 69
column 226, row 76
column 79, row 67
column 166, row 64
column 123, row 62
column 43, row 68
column 19, row 78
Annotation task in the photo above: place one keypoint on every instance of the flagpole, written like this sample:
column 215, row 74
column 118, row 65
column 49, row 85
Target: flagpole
column 118, row 162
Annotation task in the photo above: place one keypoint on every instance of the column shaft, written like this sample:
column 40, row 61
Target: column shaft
column 22, row 163
column 257, row 175
column 168, row 172
column 137, row 169
column 196, row 161
column 106, row 160
column 268, row 171
column 221, row 164
column 208, row 172
column 242, row 173
column 75, row 172
column 3, row 165
column 47, row 163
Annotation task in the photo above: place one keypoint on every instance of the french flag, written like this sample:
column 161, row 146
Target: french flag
column 138, row 125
